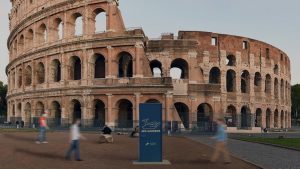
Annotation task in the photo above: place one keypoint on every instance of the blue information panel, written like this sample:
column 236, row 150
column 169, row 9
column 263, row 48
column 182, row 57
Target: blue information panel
column 150, row 124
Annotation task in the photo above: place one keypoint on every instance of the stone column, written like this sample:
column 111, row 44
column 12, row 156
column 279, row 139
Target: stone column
column 110, row 118
column 139, row 53
column 272, row 120
column 109, row 62
column 263, row 119
column 137, row 109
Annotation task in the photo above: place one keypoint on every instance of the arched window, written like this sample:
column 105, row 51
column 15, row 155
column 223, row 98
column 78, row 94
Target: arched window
column 231, row 61
column 15, row 48
column 230, row 116
column 58, row 25
column 179, row 69
column 76, row 109
column 282, row 89
column 215, row 76
column 19, row 77
column 100, row 20
column 257, row 79
column 268, row 84
column 276, row 69
column 99, row 66
column 156, row 68
column 28, row 76
column 183, row 112
column 40, row 75
column 29, row 39
column 56, row 113
column 75, row 73
column 231, row 81
column 78, row 24
column 42, row 33
column 56, row 70
column 125, row 65
column 245, row 117
column 276, row 88
column 245, row 82
column 21, row 43
column 99, row 117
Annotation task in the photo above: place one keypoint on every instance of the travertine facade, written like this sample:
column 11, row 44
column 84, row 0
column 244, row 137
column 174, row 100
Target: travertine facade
column 101, row 77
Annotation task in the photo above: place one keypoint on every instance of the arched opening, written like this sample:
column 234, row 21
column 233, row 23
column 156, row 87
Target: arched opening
column 245, row 82
column 231, row 61
column 230, row 116
column 245, row 117
column 99, row 114
column 125, row 65
column 156, row 68
column 76, row 109
column 179, row 69
column 276, row 119
column 29, row 39
column 282, row 89
column 282, row 125
column 21, row 43
column 152, row 101
column 268, row 118
column 40, row 75
column 215, row 76
column 58, row 28
column 205, row 117
column 78, row 24
column 183, row 112
column 13, row 78
column 27, row 120
column 75, row 73
column 276, row 69
column 19, row 77
column 56, row 70
column 28, row 76
column 19, row 109
column 125, row 114
column 56, row 113
column 276, row 88
column 231, row 81
column 257, row 80
column 99, row 66
column 268, row 84
column 286, row 120
column 39, row 109
column 42, row 33
column 258, row 118
column 15, row 48
column 100, row 20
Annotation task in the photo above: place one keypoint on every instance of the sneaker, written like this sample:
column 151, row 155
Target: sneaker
column 38, row 142
column 45, row 142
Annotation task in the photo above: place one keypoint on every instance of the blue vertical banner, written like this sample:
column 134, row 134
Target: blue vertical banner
column 150, row 124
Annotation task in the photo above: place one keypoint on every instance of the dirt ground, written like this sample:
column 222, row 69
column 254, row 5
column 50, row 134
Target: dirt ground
column 19, row 151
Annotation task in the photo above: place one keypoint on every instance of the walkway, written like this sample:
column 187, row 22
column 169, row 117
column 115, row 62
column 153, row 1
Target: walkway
column 268, row 157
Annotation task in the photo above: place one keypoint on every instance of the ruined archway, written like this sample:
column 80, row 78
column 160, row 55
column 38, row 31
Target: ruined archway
column 39, row 109
column 40, row 74
column 99, row 114
column 183, row 112
column 28, row 76
column 276, row 118
column 99, row 16
column 231, row 60
column 125, row 114
column 215, row 76
column 56, row 70
column 276, row 88
column 76, row 108
column 58, row 29
column 245, row 117
column 268, row 118
column 231, row 81
column 230, row 116
column 42, row 33
column 156, row 68
column 245, row 82
column 125, row 65
column 257, row 82
column 258, row 118
column 27, row 110
column 205, row 117
column 268, row 84
column 99, row 69
column 56, row 113
column 78, row 24
column 179, row 66
column 75, row 72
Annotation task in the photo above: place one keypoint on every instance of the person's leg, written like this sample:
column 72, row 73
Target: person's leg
column 43, row 136
column 40, row 134
column 226, row 153
column 77, row 152
column 69, row 152
column 216, row 153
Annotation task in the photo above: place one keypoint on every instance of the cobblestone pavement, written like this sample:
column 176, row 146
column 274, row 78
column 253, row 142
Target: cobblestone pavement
column 268, row 157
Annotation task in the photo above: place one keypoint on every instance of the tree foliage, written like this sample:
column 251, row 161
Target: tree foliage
column 296, row 100
column 3, row 104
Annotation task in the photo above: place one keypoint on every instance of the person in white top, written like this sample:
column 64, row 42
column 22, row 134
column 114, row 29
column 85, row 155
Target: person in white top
column 74, row 140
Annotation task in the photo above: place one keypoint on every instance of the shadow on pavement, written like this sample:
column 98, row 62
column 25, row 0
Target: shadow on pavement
column 19, row 138
column 39, row 154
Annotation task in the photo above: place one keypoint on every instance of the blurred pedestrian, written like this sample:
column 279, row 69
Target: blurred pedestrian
column 106, row 136
column 43, row 127
column 221, row 138
column 74, row 140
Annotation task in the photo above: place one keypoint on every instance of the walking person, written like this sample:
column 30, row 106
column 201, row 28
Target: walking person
column 221, row 138
column 43, row 127
column 74, row 139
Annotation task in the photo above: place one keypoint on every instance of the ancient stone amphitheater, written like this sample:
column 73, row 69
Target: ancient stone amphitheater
column 62, row 61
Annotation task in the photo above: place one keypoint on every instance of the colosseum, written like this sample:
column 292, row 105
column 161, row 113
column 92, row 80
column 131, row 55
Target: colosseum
column 76, row 59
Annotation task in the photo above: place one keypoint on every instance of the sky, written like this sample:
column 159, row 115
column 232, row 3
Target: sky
column 276, row 22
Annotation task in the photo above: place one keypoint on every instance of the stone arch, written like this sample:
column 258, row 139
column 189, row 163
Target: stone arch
column 205, row 117
column 77, row 19
column 19, row 77
column 76, row 109
column 40, row 109
column 21, row 43
column 28, row 76
column 19, row 110
column 258, row 118
column 276, row 88
column 282, row 124
column 276, row 118
column 182, row 65
column 268, row 84
column 282, row 89
column 183, row 112
column 99, row 113
column 156, row 68
column 99, row 16
column 56, row 70
column 152, row 101
column 28, row 114
column 42, row 33
column 245, row 117
column 257, row 80
column 215, row 76
column 15, row 47
column 231, row 60
column 55, row 112
column 125, row 65
column 245, row 82
column 58, row 28
column 268, row 118
column 99, row 68
column 125, row 113
column 231, row 116
column 276, row 69
column 29, row 38
column 75, row 66
column 40, row 74
column 231, row 81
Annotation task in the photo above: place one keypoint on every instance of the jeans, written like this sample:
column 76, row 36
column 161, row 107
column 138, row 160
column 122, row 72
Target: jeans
column 42, row 135
column 74, row 147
